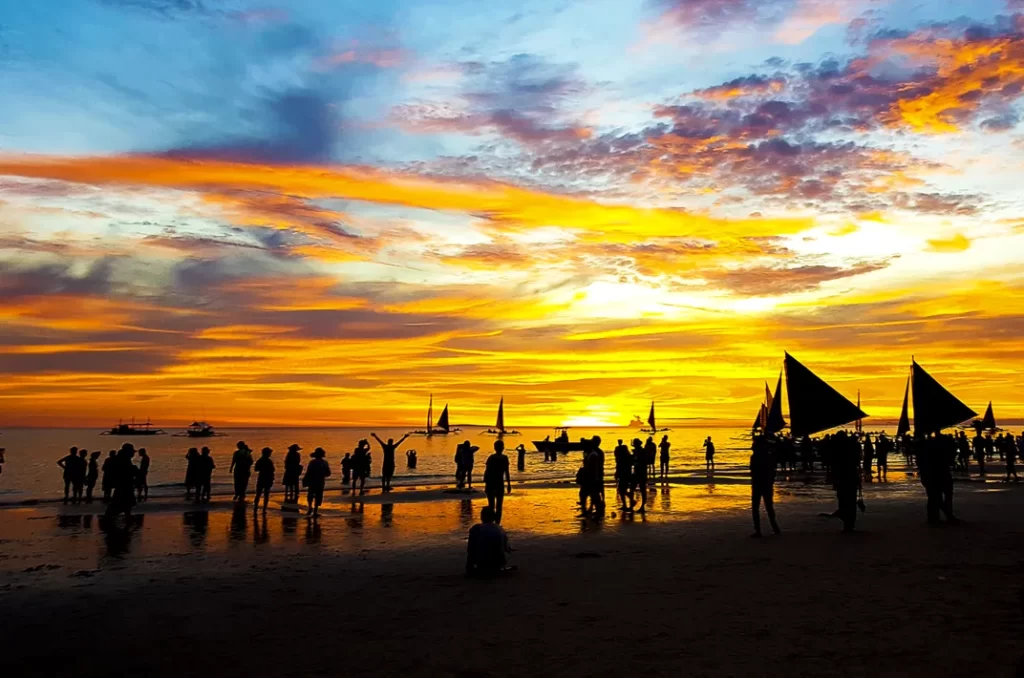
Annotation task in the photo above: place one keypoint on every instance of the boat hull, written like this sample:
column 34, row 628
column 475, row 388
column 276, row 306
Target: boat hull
column 554, row 446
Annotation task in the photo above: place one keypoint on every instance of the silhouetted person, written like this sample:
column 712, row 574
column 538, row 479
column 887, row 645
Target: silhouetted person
column 709, row 454
column 264, row 468
column 882, row 450
column 123, row 482
column 292, row 471
column 651, row 454
column 81, row 470
column 361, row 465
column 762, row 484
column 316, row 477
column 497, row 478
column 241, row 469
column 204, row 474
column 937, row 480
column 142, row 477
column 846, row 477
column 963, row 446
column 190, row 471
column 663, row 449
column 521, row 460
column 639, row 478
column 623, row 473
column 1011, row 457
column 387, row 468
column 487, row 546
column 869, row 455
column 410, row 459
column 346, row 470
column 468, row 462
column 92, row 475
column 979, row 452
column 107, row 482
column 68, row 464
column 594, row 465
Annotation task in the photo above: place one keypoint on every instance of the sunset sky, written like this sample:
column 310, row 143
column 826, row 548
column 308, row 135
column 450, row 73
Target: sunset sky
column 314, row 213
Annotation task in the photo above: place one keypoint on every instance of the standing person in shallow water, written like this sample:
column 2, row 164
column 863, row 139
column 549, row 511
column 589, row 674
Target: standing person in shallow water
column 346, row 470
column 594, row 464
column 663, row 447
column 316, row 477
column 521, row 461
column 67, row 465
column 846, row 477
column 292, row 471
column 264, row 468
column 204, row 475
column 638, row 482
column 762, row 484
column 1011, row 456
column 92, row 475
column 623, row 473
column 709, row 455
column 108, row 475
column 123, row 482
column 191, row 466
column 81, row 470
column 497, row 478
column 387, row 469
column 468, row 461
column 241, row 469
column 651, row 453
column 142, row 477
column 361, row 465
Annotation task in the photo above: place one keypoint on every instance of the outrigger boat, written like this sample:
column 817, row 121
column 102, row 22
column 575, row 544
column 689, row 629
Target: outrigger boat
column 561, row 443
column 814, row 406
column 935, row 408
column 652, row 423
column 132, row 429
column 442, row 428
column 199, row 429
column 499, row 426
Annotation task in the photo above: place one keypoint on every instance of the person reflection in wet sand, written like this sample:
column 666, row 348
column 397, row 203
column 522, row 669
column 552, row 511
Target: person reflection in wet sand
column 387, row 470
column 264, row 468
column 67, row 464
column 92, row 475
column 238, row 523
column 387, row 514
column 487, row 547
column 316, row 477
column 762, row 484
column 259, row 529
column 466, row 512
column 496, row 478
column 118, row 540
column 196, row 524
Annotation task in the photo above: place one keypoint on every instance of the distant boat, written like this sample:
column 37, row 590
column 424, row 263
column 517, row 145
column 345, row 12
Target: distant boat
column 935, row 408
column 652, row 423
column 499, row 425
column 134, row 429
column 561, row 443
column 199, row 429
column 637, row 422
column 442, row 428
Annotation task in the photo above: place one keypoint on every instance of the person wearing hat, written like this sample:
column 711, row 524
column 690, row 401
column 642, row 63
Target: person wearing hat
column 314, row 481
column 292, row 471
column 241, row 469
column 264, row 478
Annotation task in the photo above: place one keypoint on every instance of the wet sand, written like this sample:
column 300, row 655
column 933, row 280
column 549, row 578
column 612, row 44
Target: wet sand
column 377, row 589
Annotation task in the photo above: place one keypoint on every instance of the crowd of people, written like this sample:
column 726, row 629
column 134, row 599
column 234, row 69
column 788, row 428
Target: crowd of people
column 81, row 471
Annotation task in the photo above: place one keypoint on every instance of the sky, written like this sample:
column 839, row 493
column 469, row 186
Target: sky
column 310, row 213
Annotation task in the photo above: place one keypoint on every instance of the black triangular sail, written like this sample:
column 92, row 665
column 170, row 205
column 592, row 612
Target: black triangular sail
column 988, row 422
column 903, row 428
column 650, row 418
column 500, row 423
column 775, row 422
column 935, row 408
column 442, row 421
column 814, row 405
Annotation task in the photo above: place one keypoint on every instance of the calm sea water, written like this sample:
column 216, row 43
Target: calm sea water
column 31, row 471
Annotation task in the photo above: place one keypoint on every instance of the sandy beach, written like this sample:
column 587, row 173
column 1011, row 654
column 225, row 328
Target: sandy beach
column 377, row 589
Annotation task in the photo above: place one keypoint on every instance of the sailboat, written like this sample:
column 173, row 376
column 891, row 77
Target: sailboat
column 935, row 408
column 987, row 422
column 442, row 428
column 499, row 425
column 814, row 406
column 903, row 427
column 652, row 423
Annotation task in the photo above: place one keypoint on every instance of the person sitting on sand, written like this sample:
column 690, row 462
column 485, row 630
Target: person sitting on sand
column 496, row 478
column 264, row 468
column 204, row 475
column 316, row 477
column 487, row 546
column 92, row 475
column 387, row 469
